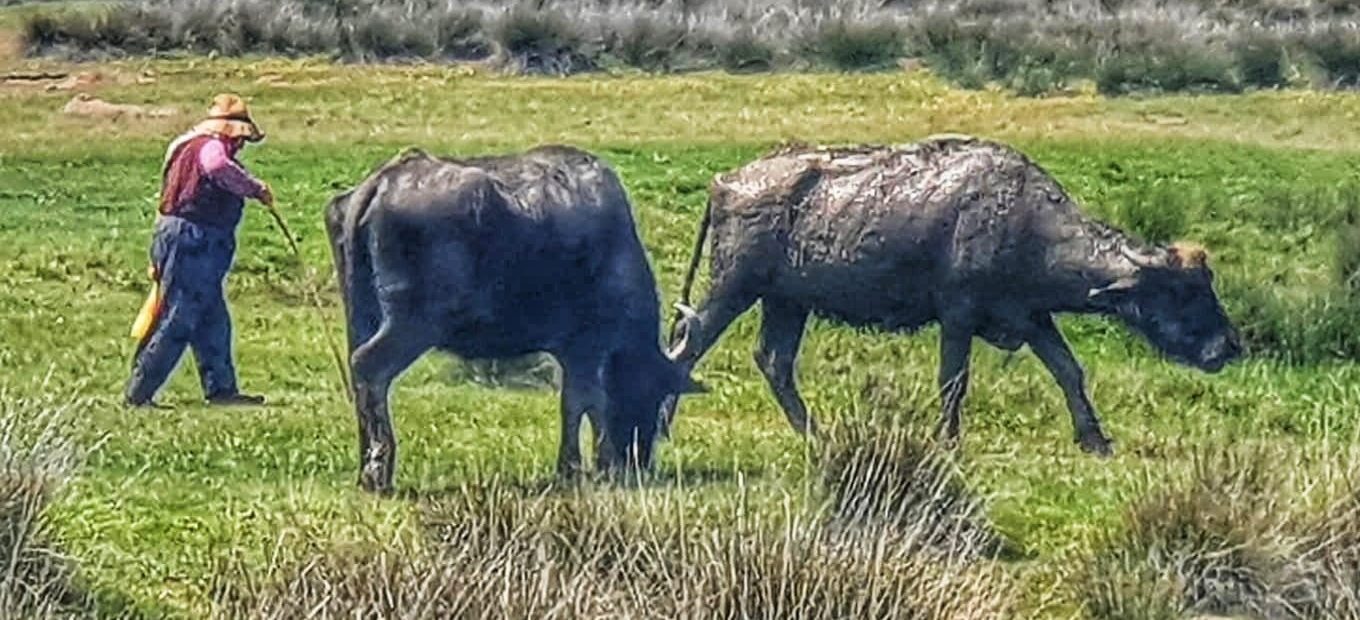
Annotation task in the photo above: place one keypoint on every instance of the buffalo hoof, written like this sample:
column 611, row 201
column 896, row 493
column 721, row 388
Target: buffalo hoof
column 1096, row 444
column 947, row 437
column 376, row 481
column 569, row 470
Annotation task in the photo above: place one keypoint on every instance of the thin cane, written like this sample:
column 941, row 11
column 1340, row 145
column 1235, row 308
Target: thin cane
column 316, row 302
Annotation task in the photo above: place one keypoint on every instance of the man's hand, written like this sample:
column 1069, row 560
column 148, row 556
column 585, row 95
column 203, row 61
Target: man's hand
column 266, row 197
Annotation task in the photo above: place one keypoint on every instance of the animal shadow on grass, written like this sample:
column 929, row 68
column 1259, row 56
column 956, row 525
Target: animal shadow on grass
column 688, row 477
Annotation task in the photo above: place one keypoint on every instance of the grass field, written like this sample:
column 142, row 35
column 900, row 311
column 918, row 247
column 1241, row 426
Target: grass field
column 165, row 496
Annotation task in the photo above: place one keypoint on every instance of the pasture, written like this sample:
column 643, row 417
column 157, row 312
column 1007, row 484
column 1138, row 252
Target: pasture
column 169, row 505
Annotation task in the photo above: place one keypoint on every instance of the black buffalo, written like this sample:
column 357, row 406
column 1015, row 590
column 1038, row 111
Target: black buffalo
column 963, row 232
column 498, row 257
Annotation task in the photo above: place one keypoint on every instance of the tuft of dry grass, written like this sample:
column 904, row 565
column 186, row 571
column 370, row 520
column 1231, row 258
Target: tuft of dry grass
column 886, row 471
column 1233, row 536
column 37, row 456
column 495, row 549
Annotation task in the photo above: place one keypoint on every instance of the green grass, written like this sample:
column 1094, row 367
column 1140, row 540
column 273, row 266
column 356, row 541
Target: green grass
column 164, row 496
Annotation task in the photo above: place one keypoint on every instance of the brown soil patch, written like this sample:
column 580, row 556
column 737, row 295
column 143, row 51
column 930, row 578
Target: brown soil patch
column 11, row 47
column 86, row 105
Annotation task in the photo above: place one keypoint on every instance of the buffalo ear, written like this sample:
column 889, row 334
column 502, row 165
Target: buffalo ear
column 1111, row 295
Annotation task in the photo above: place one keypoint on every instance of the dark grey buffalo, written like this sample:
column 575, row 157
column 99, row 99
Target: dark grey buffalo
column 963, row 232
column 499, row 257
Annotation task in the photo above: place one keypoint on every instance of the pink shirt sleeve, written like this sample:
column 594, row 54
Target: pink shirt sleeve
column 223, row 170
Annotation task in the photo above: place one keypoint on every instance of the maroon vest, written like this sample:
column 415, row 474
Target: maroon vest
column 189, row 193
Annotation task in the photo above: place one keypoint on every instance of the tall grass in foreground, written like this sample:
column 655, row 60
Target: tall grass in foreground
column 492, row 550
column 1234, row 535
column 36, row 458
column 1031, row 46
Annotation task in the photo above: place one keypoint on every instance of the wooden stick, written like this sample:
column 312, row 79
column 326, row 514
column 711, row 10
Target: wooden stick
column 340, row 366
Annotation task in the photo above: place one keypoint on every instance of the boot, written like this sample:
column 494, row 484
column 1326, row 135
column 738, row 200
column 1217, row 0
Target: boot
column 236, row 399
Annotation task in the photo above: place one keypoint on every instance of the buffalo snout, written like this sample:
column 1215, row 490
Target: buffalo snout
column 1219, row 352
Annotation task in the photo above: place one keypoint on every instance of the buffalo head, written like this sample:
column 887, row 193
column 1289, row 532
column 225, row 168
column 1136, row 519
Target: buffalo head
column 1170, row 300
column 638, row 383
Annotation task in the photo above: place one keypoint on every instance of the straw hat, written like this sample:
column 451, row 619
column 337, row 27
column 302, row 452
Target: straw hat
column 229, row 117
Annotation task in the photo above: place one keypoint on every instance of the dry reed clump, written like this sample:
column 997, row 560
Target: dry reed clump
column 1032, row 46
column 492, row 550
column 37, row 457
column 1233, row 537
column 884, row 472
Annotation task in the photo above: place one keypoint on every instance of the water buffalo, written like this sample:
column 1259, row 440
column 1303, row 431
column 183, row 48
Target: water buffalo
column 963, row 232
column 498, row 257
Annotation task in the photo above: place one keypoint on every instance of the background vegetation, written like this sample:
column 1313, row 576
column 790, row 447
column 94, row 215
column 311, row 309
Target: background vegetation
column 1031, row 46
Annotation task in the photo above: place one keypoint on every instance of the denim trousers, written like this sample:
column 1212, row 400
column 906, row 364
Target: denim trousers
column 193, row 261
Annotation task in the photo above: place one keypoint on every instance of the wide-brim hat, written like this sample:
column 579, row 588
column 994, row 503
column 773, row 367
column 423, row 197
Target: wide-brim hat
column 229, row 117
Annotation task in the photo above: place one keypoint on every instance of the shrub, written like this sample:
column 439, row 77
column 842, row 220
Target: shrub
column 857, row 46
column 647, row 43
column 743, row 52
column 392, row 32
column 543, row 41
column 1031, row 46
column 1336, row 51
column 460, row 33
column 1260, row 59
column 1157, row 58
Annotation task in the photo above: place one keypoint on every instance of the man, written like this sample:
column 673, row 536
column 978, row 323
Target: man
column 203, row 194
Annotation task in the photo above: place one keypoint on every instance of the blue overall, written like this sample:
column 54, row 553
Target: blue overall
column 192, row 260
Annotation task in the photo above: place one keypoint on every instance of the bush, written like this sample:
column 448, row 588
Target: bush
column 1336, row 51
column 1157, row 58
column 1234, row 537
column 647, row 43
column 856, row 46
column 543, row 41
column 460, row 35
column 1260, row 58
column 743, row 52
column 1324, row 326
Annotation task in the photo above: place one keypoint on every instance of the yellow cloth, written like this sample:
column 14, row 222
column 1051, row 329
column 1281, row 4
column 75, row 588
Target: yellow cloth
column 151, row 308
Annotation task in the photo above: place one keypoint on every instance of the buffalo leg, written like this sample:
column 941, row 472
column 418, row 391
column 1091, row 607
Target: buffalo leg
column 376, row 364
column 781, row 331
column 956, row 344
column 582, row 394
column 1048, row 343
